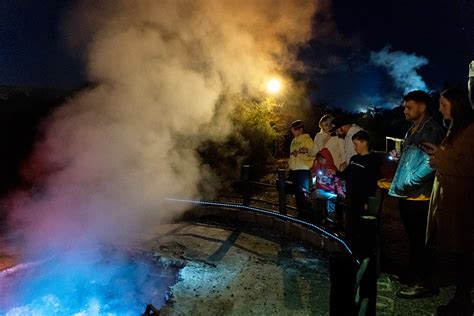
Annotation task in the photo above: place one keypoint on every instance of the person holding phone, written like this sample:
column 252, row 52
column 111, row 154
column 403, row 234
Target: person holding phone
column 300, row 163
column 451, row 213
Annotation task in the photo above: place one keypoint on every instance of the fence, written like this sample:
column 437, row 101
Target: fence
column 353, row 272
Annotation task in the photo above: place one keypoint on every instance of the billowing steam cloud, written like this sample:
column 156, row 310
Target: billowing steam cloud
column 161, row 69
column 115, row 151
column 402, row 68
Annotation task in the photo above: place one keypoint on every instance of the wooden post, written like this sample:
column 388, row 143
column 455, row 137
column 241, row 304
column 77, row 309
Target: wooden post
column 245, row 184
column 281, row 191
column 342, row 273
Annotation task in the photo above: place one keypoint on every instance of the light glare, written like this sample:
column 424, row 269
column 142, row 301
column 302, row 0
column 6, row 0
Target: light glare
column 274, row 86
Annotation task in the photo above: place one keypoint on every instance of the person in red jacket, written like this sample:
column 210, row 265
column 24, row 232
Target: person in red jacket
column 323, row 162
column 324, row 184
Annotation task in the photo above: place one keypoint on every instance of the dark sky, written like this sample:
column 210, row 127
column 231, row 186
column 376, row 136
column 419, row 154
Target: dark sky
column 32, row 52
column 442, row 31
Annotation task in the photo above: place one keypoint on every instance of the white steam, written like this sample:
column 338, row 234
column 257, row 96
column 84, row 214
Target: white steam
column 402, row 68
column 115, row 151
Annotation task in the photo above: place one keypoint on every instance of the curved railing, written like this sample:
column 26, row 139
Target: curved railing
column 360, row 282
column 321, row 230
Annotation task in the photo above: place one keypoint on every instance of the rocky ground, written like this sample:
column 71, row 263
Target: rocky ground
column 236, row 271
column 230, row 271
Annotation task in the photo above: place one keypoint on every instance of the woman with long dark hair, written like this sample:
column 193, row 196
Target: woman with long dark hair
column 450, row 226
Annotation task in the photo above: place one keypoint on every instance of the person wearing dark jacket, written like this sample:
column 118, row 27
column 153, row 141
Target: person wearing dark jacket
column 361, row 177
column 412, row 185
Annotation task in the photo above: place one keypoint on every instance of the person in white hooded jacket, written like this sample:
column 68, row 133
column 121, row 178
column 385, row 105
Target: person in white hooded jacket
column 344, row 129
column 324, row 139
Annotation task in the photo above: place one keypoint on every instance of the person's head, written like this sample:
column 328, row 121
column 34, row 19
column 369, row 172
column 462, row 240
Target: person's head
column 321, row 159
column 325, row 123
column 361, row 142
column 341, row 126
column 454, row 105
column 297, row 128
column 415, row 105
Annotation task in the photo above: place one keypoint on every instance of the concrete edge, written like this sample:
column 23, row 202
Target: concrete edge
column 293, row 231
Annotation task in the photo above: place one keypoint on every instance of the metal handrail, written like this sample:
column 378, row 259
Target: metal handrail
column 321, row 230
column 364, row 304
column 370, row 283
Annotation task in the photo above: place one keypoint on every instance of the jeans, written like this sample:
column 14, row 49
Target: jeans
column 300, row 180
column 414, row 216
column 330, row 199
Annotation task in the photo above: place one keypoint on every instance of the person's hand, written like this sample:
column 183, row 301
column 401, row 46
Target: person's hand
column 330, row 172
column 303, row 150
column 394, row 155
column 429, row 148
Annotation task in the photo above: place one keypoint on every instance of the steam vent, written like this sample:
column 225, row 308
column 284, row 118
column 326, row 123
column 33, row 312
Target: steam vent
column 213, row 262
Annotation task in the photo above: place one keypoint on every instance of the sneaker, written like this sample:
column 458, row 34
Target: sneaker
column 417, row 291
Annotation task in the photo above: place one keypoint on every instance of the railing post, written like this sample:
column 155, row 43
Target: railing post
column 245, row 184
column 281, row 191
column 368, row 244
column 375, row 204
column 342, row 273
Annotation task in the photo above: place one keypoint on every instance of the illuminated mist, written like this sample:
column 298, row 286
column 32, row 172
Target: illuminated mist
column 108, row 157
column 402, row 68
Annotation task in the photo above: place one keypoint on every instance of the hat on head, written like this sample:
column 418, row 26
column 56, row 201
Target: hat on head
column 297, row 124
column 339, row 122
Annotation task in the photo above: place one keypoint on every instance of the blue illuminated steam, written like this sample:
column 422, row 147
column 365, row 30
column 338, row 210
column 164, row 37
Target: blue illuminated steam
column 402, row 68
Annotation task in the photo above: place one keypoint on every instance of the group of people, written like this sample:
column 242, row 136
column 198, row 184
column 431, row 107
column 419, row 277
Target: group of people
column 336, row 165
column 433, row 183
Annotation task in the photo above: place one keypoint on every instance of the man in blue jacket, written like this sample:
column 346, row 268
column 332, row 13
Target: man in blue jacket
column 412, row 185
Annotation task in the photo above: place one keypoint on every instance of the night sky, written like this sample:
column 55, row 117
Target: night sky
column 437, row 30
column 33, row 51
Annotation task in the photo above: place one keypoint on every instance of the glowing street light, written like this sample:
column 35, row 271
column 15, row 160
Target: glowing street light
column 274, row 86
